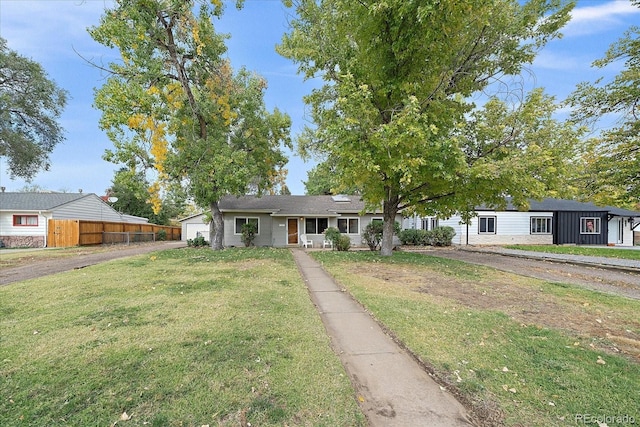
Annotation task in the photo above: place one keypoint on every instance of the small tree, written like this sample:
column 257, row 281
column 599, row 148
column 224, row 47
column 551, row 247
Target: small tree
column 372, row 235
column 249, row 231
column 333, row 235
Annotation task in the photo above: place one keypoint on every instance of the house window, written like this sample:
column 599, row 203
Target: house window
column 240, row 221
column 429, row 223
column 349, row 225
column 25, row 220
column 487, row 225
column 541, row 225
column 589, row 225
column 316, row 225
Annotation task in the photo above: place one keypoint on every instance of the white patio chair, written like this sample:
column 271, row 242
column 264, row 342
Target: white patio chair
column 327, row 244
column 306, row 242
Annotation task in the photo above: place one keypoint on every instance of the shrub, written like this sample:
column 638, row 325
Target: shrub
column 161, row 235
column 372, row 235
column 409, row 236
column 343, row 243
column 439, row 236
column 198, row 242
column 332, row 234
column 248, row 231
column 442, row 236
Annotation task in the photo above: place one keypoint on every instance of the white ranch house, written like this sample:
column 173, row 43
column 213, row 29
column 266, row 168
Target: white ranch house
column 549, row 221
column 285, row 221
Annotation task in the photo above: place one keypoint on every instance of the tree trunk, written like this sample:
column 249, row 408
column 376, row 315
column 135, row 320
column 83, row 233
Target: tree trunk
column 390, row 209
column 216, row 230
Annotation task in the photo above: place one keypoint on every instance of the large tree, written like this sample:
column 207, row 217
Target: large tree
column 30, row 106
column 611, row 173
column 400, row 79
column 174, row 103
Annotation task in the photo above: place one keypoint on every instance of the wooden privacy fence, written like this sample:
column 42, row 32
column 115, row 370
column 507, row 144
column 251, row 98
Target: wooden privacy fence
column 78, row 232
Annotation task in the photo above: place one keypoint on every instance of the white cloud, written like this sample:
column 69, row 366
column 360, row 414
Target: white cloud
column 595, row 19
column 44, row 30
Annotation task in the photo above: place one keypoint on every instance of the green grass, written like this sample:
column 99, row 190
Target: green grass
column 534, row 374
column 632, row 254
column 180, row 337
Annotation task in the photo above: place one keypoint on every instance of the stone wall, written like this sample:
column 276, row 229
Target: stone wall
column 22, row 241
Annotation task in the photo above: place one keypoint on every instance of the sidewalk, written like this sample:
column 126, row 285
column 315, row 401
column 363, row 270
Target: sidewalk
column 591, row 261
column 392, row 388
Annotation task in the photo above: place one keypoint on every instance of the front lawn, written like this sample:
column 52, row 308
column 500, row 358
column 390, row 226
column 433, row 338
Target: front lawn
column 524, row 351
column 182, row 337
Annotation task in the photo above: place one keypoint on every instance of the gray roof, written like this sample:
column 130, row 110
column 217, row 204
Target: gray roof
column 552, row 205
column 294, row 205
column 37, row 201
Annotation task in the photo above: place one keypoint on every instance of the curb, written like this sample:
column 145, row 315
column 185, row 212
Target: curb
column 557, row 260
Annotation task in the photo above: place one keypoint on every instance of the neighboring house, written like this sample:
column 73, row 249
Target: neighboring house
column 24, row 217
column 282, row 220
column 550, row 221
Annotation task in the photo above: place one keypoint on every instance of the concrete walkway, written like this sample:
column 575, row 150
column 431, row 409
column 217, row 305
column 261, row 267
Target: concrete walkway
column 392, row 388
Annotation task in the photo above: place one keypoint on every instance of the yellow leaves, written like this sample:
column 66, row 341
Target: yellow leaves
column 195, row 32
column 154, row 198
column 157, row 135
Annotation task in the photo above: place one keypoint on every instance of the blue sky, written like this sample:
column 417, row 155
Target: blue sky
column 53, row 33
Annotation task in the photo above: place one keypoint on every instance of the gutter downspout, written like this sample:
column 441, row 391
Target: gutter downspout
column 46, row 228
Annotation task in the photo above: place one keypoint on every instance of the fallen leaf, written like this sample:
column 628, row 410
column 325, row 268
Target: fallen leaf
column 601, row 361
column 125, row 416
column 360, row 399
column 505, row 369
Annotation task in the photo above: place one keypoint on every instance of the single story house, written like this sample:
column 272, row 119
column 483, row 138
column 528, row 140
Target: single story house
column 24, row 217
column 287, row 220
column 549, row 221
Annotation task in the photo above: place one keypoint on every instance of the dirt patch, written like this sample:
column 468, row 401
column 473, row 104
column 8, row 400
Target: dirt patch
column 524, row 300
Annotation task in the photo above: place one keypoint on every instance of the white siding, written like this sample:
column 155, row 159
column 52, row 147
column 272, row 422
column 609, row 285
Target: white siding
column 511, row 228
column 620, row 233
column 8, row 229
column 88, row 208
column 191, row 226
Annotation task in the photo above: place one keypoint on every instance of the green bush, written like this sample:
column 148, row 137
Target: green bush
column 198, row 242
column 332, row 234
column 410, row 236
column 442, row 236
column 161, row 235
column 372, row 235
column 249, row 231
column 343, row 243
column 439, row 236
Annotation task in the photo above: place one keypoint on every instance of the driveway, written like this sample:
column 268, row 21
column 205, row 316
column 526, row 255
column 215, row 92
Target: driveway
column 623, row 281
column 44, row 265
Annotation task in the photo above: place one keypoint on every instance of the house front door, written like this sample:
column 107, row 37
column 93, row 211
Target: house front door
column 292, row 231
